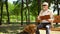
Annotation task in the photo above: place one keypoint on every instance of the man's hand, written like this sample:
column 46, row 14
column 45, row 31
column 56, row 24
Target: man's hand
column 38, row 17
column 51, row 21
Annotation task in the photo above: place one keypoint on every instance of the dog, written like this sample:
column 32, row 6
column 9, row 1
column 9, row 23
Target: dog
column 29, row 29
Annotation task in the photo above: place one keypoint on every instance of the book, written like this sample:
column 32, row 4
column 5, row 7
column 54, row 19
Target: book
column 45, row 17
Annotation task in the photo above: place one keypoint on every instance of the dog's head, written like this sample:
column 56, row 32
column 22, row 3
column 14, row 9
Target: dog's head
column 31, row 28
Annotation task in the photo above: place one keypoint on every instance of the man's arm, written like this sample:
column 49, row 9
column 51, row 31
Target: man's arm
column 39, row 15
column 38, row 18
column 51, row 18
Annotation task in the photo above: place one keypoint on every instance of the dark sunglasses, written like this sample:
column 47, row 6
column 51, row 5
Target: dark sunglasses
column 44, row 5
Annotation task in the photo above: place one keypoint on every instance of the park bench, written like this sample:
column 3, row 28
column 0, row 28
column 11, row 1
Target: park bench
column 56, row 20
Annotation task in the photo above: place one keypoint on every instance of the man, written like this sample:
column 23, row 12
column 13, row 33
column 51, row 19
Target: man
column 45, row 23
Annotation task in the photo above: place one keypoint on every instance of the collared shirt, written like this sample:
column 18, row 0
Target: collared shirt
column 47, row 12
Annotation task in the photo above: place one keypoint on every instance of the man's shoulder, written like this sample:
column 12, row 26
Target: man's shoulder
column 50, row 10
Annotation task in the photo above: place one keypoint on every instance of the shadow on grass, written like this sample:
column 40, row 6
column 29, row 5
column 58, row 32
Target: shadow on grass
column 11, row 28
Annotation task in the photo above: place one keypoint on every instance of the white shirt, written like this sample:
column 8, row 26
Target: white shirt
column 47, row 12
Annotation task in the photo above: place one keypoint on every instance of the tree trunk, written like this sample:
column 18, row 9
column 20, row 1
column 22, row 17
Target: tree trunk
column 6, row 2
column 39, row 6
column 28, row 16
column 57, row 9
column 1, row 12
column 22, row 13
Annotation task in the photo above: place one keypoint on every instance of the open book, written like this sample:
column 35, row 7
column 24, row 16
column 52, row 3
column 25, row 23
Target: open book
column 45, row 17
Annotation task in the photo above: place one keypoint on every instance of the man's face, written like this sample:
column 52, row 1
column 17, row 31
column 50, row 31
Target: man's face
column 45, row 7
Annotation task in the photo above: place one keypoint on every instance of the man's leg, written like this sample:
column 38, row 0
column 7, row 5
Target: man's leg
column 47, row 29
column 39, row 27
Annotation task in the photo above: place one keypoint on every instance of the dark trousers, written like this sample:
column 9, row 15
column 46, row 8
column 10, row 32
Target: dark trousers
column 43, row 25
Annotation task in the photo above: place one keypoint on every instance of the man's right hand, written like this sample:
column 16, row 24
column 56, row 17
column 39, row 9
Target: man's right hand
column 38, row 17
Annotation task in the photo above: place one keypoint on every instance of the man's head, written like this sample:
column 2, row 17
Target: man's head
column 45, row 6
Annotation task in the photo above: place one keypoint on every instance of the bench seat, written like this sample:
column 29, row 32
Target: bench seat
column 52, row 29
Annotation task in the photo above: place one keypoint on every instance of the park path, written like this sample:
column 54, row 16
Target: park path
column 51, row 32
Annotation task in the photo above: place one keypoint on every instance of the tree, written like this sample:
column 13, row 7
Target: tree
column 39, row 6
column 57, row 8
column 22, row 12
column 6, row 2
column 28, row 15
column 1, row 12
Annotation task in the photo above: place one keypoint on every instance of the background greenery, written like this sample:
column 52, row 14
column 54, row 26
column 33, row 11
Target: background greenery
column 14, row 9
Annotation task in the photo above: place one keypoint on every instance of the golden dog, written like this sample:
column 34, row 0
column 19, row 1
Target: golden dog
column 29, row 29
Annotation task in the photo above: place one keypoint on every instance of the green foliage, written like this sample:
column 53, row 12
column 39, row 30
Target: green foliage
column 11, row 8
column 15, row 10
column 34, row 8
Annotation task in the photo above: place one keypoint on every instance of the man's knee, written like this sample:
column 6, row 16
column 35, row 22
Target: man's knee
column 48, row 26
column 40, row 26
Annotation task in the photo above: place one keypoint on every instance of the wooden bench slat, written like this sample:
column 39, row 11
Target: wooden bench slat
column 52, row 29
column 55, row 29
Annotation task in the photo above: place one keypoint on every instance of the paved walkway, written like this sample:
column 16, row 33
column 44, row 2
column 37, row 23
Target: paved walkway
column 51, row 32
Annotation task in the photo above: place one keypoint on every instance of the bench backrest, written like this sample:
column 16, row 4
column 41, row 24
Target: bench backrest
column 56, row 19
